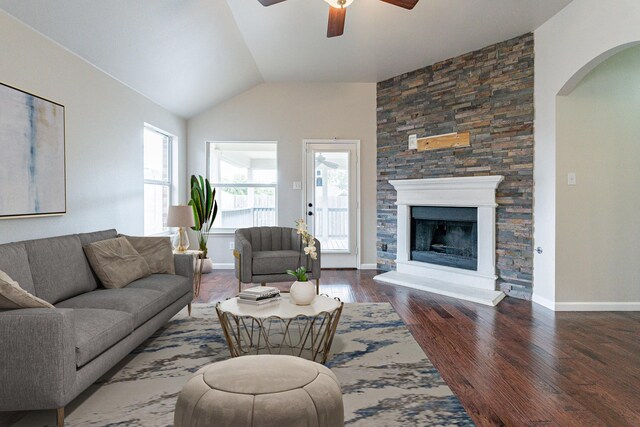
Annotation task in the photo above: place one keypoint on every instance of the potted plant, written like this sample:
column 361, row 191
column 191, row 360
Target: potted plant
column 302, row 290
column 205, row 209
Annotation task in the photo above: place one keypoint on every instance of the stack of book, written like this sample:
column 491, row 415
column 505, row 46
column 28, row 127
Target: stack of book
column 259, row 295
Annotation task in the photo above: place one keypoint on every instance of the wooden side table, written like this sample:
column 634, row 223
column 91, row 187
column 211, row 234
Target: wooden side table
column 197, row 273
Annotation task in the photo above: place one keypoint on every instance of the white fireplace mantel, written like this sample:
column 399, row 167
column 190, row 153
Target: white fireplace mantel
column 479, row 192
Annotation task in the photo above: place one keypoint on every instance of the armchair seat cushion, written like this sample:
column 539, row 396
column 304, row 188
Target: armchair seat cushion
column 142, row 304
column 275, row 262
column 96, row 330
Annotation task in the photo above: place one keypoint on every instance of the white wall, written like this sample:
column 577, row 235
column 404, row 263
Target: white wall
column 567, row 47
column 598, row 138
column 104, row 130
column 288, row 114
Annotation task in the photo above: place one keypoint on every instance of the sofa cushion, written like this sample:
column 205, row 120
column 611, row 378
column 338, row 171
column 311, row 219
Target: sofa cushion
column 157, row 251
column 59, row 268
column 142, row 304
column 171, row 285
column 96, row 236
column 116, row 262
column 15, row 262
column 96, row 330
column 274, row 262
column 12, row 296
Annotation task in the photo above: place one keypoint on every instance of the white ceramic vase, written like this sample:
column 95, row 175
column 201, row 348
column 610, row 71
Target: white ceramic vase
column 302, row 293
column 207, row 266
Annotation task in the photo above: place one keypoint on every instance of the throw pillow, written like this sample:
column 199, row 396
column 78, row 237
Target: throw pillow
column 157, row 251
column 116, row 262
column 12, row 296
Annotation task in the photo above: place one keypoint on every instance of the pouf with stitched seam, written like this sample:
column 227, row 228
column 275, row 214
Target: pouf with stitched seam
column 263, row 390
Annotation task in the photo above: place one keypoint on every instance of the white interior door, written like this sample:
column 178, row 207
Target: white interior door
column 331, row 200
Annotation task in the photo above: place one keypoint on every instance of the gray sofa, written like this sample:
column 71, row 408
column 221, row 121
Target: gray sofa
column 49, row 356
column 264, row 254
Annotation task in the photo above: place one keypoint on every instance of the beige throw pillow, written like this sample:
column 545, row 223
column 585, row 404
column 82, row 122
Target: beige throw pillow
column 116, row 262
column 12, row 296
column 157, row 251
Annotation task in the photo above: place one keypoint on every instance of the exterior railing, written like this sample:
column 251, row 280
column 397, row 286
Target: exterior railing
column 338, row 221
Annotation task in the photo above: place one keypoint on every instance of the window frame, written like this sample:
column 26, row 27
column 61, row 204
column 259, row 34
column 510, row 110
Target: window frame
column 231, row 230
column 170, row 174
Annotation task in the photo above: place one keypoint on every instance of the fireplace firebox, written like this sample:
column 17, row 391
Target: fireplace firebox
column 446, row 236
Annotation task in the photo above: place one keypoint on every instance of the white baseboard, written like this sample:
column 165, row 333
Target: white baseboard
column 586, row 306
column 368, row 267
column 223, row 266
column 546, row 303
column 598, row 306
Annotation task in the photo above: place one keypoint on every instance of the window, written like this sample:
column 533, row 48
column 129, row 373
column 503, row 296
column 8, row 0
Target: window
column 157, row 179
column 245, row 176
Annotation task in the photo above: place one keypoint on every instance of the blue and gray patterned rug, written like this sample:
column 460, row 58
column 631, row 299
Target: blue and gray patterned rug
column 386, row 378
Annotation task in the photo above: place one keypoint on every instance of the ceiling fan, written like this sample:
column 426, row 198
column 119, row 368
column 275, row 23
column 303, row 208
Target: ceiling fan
column 338, row 12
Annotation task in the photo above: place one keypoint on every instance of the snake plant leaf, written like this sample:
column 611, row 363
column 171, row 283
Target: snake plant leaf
column 208, row 199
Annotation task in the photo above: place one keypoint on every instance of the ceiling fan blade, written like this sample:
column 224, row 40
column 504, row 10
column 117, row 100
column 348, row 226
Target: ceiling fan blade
column 407, row 4
column 269, row 2
column 336, row 21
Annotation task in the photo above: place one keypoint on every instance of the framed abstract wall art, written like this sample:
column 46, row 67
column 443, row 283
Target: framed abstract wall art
column 32, row 155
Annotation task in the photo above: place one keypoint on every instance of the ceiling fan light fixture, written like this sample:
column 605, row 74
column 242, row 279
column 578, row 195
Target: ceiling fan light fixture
column 339, row 4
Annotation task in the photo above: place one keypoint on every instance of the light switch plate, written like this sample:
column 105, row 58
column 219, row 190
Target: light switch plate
column 297, row 185
column 232, row 245
column 413, row 142
column 571, row 178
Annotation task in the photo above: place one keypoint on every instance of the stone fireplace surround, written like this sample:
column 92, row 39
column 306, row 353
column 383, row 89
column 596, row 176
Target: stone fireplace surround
column 476, row 191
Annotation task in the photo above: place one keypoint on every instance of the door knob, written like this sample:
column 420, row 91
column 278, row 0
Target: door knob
column 310, row 213
column 310, row 205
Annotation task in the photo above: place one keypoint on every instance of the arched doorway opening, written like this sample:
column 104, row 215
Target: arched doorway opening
column 598, row 183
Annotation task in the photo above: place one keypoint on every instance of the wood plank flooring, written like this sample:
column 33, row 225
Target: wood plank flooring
column 517, row 364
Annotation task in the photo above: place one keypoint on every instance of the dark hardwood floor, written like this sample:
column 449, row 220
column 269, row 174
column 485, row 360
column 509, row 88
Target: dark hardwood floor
column 517, row 364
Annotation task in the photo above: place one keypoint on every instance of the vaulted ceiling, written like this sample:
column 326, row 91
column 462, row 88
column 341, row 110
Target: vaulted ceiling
column 188, row 55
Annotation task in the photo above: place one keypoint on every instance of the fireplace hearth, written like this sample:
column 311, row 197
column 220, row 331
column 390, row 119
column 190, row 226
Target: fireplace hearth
column 445, row 236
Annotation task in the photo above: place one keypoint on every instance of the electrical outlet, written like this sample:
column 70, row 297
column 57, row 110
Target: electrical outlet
column 383, row 247
column 232, row 245
column 413, row 142
column 297, row 185
column 571, row 178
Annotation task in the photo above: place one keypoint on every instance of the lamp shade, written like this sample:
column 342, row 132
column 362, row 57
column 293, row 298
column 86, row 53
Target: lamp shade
column 180, row 216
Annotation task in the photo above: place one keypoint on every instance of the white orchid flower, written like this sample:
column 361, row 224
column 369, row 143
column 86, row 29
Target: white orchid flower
column 311, row 252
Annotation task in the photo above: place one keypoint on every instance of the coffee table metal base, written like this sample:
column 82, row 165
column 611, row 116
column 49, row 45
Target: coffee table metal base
column 307, row 336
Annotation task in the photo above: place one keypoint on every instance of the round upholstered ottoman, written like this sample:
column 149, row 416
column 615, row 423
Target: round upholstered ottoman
column 264, row 390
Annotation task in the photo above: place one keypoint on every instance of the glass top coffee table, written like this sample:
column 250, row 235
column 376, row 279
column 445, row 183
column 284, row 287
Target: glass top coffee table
column 281, row 327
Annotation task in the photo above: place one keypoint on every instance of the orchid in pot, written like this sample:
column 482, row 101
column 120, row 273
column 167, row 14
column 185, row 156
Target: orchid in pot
column 303, row 291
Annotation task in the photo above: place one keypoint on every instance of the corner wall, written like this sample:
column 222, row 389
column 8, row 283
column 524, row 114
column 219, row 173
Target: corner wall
column 289, row 113
column 598, row 138
column 104, row 135
column 567, row 47
column 489, row 93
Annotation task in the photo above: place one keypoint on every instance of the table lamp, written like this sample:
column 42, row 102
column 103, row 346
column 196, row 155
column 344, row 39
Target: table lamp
column 180, row 216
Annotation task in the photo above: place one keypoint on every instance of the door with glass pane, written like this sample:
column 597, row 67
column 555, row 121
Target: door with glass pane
column 331, row 200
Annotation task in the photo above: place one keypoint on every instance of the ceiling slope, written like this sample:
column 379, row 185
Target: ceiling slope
column 185, row 55
column 288, row 40
column 188, row 55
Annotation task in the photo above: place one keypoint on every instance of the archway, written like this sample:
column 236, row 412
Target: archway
column 598, row 142
column 567, row 47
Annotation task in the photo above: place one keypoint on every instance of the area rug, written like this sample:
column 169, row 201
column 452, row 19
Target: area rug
column 386, row 378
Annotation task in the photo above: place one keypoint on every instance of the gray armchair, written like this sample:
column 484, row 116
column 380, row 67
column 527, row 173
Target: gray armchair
column 264, row 254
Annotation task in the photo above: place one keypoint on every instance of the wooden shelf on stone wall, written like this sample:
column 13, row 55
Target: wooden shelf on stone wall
column 449, row 140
